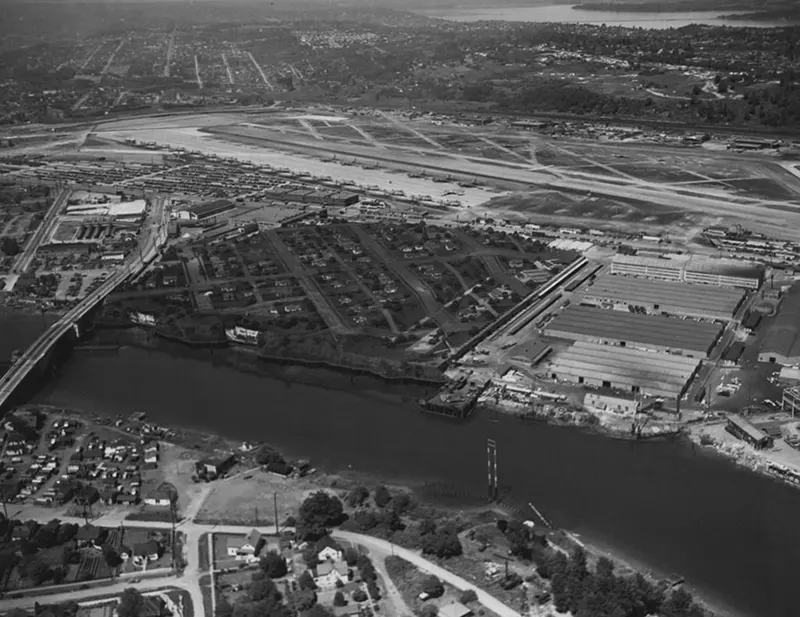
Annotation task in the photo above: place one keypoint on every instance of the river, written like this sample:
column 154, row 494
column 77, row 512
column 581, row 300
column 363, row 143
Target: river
column 18, row 330
column 731, row 533
column 564, row 13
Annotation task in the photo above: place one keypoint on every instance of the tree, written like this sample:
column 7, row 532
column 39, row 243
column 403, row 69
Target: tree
column 433, row 586
column 267, row 455
column 402, row 503
column 427, row 526
column 317, row 513
column 467, row 596
column 517, row 535
column 429, row 610
column 350, row 556
column 357, row 496
column 224, row 609
column 130, row 603
column 304, row 599
column 264, row 590
column 113, row 560
column 382, row 496
column 680, row 604
column 359, row 595
column 319, row 611
column 273, row 565
column 9, row 246
column 443, row 544
column 338, row 599
column 502, row 525
column 306, row 581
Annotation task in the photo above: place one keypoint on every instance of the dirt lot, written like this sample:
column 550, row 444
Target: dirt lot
column 235, row 500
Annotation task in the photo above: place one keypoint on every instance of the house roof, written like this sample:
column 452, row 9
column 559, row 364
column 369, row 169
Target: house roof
column 153, row 606
column 325, row 542
column 146, row 548
column 253, row 538
column 87, row 533
column 455, row 609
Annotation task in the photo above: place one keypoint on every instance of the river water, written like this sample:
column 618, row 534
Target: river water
column 564, row 13
column 732, row 534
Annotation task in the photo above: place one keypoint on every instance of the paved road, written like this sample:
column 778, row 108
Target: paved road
column 190, row 579
column 25, row 258
column 382, row 548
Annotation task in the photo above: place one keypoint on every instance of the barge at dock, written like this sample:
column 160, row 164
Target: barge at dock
column 455, row 400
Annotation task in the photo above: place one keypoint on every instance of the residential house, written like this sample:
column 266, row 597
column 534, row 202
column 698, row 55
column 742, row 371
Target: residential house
column 88, row 535
column 21, row 532
column 455, row 609
column 215, row 467
column 146, row 551
column 160, row 497
column 250, row 548
column 127, row 499
column 328, row 550
column 108, row 496
column 326, row 574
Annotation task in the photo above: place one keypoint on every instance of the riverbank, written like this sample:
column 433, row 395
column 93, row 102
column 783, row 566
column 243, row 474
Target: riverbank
column 780, row 462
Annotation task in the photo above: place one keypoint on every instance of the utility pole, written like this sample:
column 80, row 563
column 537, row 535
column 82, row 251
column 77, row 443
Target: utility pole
column 275, row 504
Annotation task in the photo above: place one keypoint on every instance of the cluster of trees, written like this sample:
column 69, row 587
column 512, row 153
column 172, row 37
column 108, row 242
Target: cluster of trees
column 24, row 554
column 368, row 574
column 9, row 246
column 318, row 513
column 601, row 593
column 263, row 599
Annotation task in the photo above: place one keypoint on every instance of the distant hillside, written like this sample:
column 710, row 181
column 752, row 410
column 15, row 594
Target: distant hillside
column 766, row 10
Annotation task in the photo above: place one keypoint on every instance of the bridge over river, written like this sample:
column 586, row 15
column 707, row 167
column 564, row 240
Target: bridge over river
column 154, row 236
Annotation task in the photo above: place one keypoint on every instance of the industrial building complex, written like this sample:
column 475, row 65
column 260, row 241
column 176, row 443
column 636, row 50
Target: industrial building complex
column 634, row 330
column 668, row 297
column 691, row 269
column 781, row 344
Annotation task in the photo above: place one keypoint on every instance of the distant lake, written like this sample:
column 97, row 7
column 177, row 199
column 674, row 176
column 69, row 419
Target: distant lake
column 564, row 13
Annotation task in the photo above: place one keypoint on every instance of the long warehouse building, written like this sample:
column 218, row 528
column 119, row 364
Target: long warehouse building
column 630, row 370
column 670, row 297
column 691, row 269
column 781, row 344
column 625, row 329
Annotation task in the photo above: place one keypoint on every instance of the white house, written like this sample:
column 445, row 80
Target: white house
column 328, row 573
column 249, row 549
column 330, row 553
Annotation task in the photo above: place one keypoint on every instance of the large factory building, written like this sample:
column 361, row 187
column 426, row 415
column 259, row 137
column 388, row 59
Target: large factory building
column 631, row 370
column 781, row 343
column 659, row 296
column 691, row 269
column 634, row 330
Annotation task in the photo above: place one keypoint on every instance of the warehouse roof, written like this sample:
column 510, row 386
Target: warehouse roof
column 783, row 337
column 697, row 263
column 655, row 330
column 212, row 208
column 668, row 295
column 654, row 373
column 653, row 262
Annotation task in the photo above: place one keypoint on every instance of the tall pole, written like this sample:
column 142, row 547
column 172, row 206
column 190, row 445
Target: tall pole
column 491, row 468
column 275, row 504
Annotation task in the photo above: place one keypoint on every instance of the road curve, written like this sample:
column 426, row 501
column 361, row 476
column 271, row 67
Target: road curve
column 382, row 548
